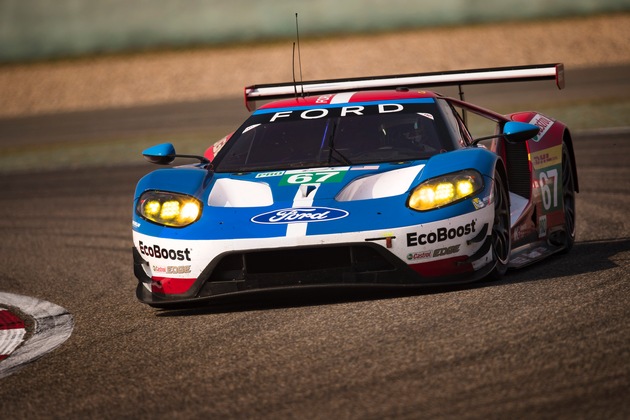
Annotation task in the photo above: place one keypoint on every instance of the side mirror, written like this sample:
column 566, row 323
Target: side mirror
column 514, row 131
column 162, row 154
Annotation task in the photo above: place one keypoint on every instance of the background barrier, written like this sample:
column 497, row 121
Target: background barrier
column 43, row 29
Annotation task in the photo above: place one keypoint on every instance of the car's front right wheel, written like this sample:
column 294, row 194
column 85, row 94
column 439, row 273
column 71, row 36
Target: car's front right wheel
column 501, row 237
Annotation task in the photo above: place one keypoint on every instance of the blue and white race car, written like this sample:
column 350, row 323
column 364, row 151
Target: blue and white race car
column 357, row 182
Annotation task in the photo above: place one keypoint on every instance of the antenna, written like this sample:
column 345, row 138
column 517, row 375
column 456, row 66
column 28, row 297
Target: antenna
column 297, row 34
column 293, row 69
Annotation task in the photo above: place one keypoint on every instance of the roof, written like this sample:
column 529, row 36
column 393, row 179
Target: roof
column 350, row 97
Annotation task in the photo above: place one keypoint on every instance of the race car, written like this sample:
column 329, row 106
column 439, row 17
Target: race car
column 357, row 183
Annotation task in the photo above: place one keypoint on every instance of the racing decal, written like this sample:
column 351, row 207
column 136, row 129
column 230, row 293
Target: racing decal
column 177, row 269
column 419, row 255
column 338, row 109
column 365, row 168
column 440, row 234
column 542, row 226
column 319, row 176
column 453, row 249
column 543, row 123
column 333, row 98
column 269, row 174
column 546, row 157
column 300, row 215
column 550, row 184
column 304, row 197
column 547, row 164
column 317, row 113
column 158, row 252
column 523, row 231
column 324, row 99
column 478, row 203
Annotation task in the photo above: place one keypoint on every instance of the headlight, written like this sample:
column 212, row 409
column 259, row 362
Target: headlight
column 169, row 209
column 439, row 192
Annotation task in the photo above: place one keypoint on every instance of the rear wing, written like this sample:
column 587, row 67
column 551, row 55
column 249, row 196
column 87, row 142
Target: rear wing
column 447, row 78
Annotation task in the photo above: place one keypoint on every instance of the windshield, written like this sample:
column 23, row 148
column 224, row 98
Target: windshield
column 334, row 135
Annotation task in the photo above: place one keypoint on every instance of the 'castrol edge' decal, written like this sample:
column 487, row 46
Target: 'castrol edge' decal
column 300, row 215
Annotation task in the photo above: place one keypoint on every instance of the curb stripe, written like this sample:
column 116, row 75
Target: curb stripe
column 53, row 326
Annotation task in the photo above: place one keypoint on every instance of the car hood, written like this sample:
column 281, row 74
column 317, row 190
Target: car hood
column 304, row 187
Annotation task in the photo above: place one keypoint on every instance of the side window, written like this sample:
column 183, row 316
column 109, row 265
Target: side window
column 454, row 123
column 478, row 126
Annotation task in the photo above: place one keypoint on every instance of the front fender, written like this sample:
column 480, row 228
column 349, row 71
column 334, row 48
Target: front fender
column 189, row 180
column 477, row 158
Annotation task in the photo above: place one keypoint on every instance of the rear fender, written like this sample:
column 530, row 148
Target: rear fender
column 552, row 133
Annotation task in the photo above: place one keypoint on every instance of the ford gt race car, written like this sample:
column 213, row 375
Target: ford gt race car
column 357, row 182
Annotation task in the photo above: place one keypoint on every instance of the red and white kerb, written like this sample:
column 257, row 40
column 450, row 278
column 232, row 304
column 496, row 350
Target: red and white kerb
column 12, row 331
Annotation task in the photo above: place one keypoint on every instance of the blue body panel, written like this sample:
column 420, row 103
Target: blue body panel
column 363, row 215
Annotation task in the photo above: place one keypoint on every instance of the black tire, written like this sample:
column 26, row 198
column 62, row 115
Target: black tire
column 501, row 235
column 568, row 198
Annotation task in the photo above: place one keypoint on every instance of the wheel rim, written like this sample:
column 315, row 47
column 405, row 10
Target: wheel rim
column 568, row 193
column 501, row 228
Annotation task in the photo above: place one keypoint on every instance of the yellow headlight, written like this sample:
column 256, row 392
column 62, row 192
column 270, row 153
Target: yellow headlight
column 444, row 192
column 465, row 187
column 447, row 189
column 169, row 209
column 189, row 212
column 152, row 207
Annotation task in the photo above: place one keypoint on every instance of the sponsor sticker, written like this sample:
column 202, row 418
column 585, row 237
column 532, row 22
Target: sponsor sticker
column 542, row 226
column 440, row 235
column 172, row 269
column 546, row 157
column 365, row 168
column 419, row 255
column 158, row 252
column 269, row 174
column 313, row 176
column 299, row 215
column 440, row 252
column 478, row 203
column 543, row 123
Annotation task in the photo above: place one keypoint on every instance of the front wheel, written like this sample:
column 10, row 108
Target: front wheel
column 501, row 237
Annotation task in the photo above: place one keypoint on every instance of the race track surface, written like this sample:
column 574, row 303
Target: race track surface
column 549, row 341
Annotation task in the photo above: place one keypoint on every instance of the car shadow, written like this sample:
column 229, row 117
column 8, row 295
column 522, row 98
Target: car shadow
column 585, row 257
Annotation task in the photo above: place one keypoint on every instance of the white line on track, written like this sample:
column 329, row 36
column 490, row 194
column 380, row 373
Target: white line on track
column 53, row 326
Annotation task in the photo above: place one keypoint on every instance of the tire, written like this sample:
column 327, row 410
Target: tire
column 501, row 235
column 568, row 198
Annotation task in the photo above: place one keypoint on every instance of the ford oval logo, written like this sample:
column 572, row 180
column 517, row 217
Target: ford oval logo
column 300, row 215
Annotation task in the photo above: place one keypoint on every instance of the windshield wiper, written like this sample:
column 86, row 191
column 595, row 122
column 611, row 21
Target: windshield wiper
column 331, row 149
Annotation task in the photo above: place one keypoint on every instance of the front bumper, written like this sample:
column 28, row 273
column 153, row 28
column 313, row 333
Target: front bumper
column 360, row 264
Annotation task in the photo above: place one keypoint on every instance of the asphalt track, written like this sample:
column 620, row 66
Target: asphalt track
column 549, row 341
